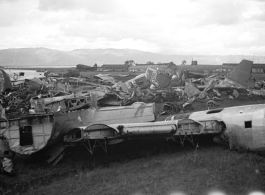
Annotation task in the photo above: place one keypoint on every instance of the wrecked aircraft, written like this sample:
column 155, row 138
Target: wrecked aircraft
column 27, row 135
column 244, row 130
column 243, row 125
column 34, row 133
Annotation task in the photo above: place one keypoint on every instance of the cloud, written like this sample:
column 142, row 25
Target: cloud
column 169, row 26
column 8, row 1
column 13, row 12
column 223, row 12
column 259, row 15
column 260, row 1
column 94, row 6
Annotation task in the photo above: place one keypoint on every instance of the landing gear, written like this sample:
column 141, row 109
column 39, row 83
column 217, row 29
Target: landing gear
column 91, row 145
column 182, row 138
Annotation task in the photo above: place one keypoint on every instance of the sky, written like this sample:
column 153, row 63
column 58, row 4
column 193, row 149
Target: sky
column 180, row 27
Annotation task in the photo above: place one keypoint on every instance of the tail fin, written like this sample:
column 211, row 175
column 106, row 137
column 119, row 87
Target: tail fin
column 242, row 74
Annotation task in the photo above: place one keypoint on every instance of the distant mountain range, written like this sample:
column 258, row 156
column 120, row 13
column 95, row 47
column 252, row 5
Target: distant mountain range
column 49, row 57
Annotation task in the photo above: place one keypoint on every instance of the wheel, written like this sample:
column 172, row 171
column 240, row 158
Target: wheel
column 211, row 104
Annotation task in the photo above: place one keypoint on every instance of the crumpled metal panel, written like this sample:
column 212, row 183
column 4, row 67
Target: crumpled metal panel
column 190, row 90
column 158, row 77
column 60, row 103
column 7, row 165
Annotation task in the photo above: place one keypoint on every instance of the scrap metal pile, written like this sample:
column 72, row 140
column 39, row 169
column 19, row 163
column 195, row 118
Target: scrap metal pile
column 157, row 85
column 52, row 111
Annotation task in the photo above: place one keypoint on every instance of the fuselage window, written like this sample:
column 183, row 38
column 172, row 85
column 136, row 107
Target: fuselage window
column 248, row 124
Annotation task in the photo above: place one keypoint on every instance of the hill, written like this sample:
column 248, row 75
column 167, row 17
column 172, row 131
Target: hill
column 50, row 57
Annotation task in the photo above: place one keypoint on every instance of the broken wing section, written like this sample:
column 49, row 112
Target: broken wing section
column 65, row 123
column 160, row 129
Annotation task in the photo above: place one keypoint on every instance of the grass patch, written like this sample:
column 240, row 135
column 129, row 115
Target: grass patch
column 191, row 172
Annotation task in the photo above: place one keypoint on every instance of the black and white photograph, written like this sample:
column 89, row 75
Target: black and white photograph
column 132, row 97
